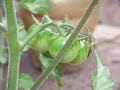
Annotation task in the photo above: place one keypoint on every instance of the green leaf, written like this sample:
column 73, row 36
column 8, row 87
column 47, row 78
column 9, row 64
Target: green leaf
column 35, row 6
column 22, row 34
column 57, row 72
column 101, row 76
column 3, row 57
column 25, row 81
column 21, row 31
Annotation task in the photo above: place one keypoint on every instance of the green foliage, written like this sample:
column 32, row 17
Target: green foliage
column 45, row 60
column 25, row 81
column 21, row 31
column 101, row 77
column 3, row 57
column 35, row 6
column 22, row 34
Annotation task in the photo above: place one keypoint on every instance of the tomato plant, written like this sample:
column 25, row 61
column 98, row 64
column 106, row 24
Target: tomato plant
column 82, row 53
column 41, row 41
column 56, row 45
column 63, row 48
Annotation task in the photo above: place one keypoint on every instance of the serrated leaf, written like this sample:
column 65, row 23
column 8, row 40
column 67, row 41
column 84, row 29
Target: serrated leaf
column 25, row 81
column 35, row 6
column 101, row 76
column 3, row 57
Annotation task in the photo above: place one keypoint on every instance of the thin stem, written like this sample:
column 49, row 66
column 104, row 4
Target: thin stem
column 13, row 46
column 30, row 36
column 35, row 20
column 65, row 47
column 1, row 76
column 38, row 29
column 1, row 10
column 59, row 83
column 1, row 47
column 63, row 25
column 1, row 67
column 82, row 38
column 95, row 55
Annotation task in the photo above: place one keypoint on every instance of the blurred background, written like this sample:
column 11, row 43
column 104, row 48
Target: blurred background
column 105, row 26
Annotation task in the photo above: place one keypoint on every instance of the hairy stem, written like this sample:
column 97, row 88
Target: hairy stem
column 1, row 67
column 1, row 76
column 65, row 47
column 0, row 10
column 13, row 45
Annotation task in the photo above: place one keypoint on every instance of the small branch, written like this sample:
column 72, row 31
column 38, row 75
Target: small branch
column 65, row 47
column 1, row 67
column 1, row 10
column 1, row 76
column 1, row 45
column 30, row 36
column 38, row 29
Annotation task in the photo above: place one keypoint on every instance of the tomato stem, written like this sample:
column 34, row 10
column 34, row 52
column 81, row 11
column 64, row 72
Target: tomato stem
column 82, row 38
column 40, row 28
column 1, row 45
column 46, row 19
column 35, row 20
column 59, row 56
column 14, row 46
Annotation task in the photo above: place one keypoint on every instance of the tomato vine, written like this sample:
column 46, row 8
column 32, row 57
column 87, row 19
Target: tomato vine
column 16, row 46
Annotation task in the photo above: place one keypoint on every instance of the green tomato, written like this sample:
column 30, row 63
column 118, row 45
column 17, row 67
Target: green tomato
column 56, row 44
column 82, row 54
column 41, row 41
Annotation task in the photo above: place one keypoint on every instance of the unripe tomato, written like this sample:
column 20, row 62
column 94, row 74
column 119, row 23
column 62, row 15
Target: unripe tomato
column 40, row 41
column 56, row 44
column 82, row 54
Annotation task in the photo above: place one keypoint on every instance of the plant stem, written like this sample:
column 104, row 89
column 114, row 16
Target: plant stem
column 1, row 76
column 38, row 29
column 65, row 47
column 0, row 10
column 13, row 46
column 1, row 67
